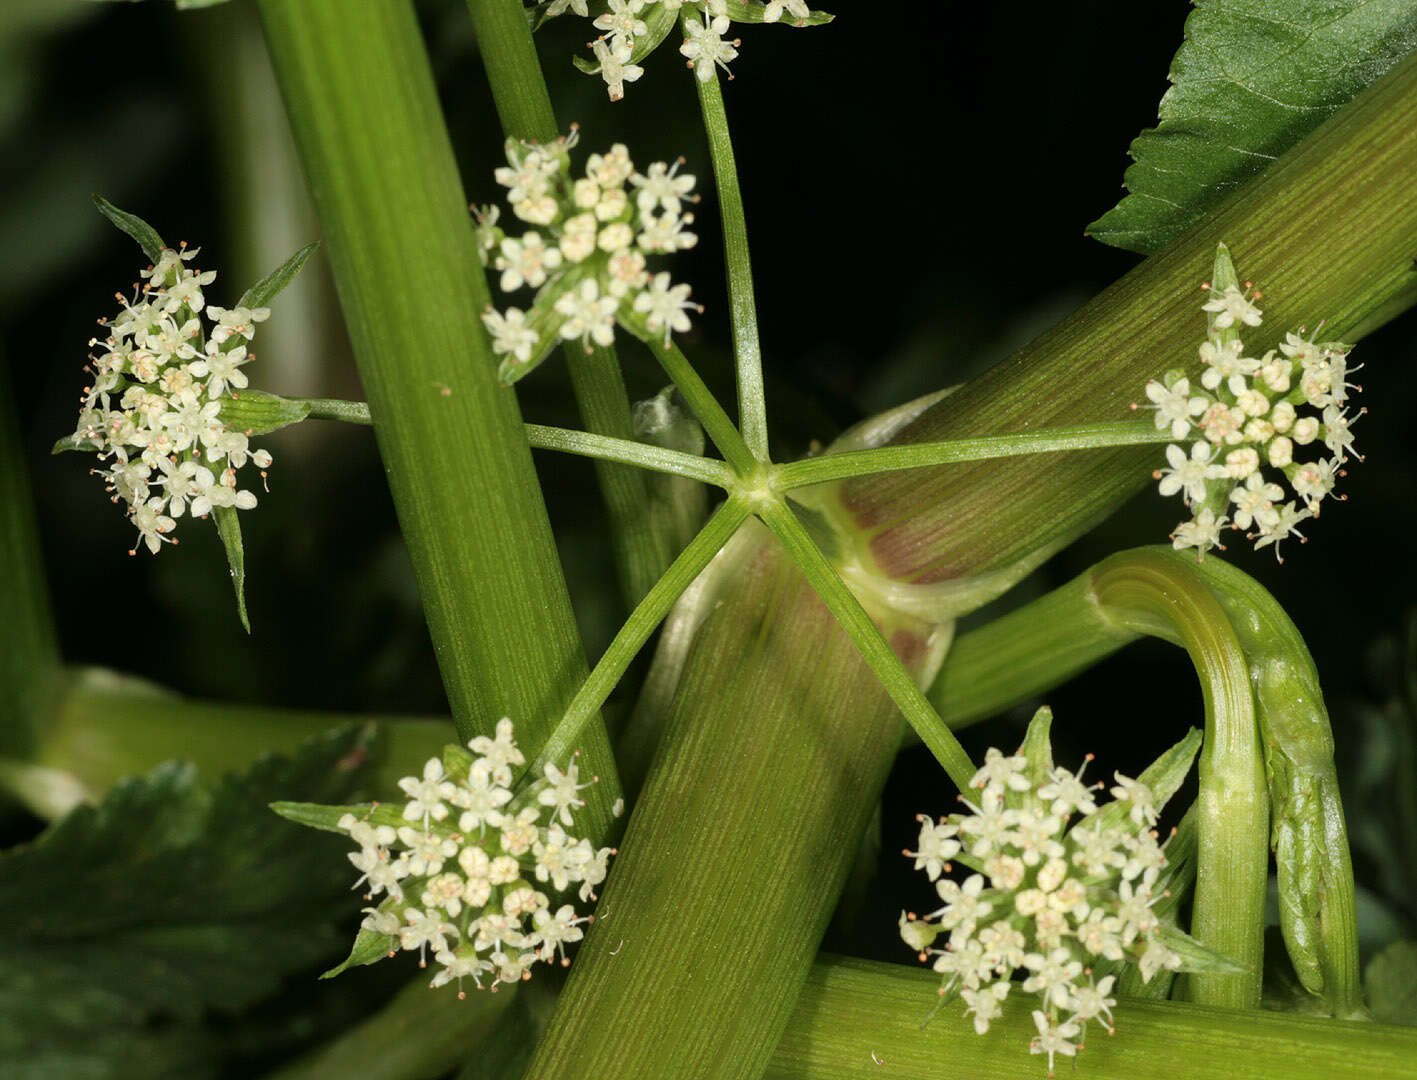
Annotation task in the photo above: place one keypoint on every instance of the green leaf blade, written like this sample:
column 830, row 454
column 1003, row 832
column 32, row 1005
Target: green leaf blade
column 1250, row 80
column 264, row 291
column 228, row 527
column 129, row 924
column 134, row 226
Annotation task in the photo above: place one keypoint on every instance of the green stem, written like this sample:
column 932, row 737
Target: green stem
column 1317, row 896
column 1149, row 592
column 524, row 108
column 854, row 463
column 641, row 455
column 641, row 550
column 747, row 352
column 29, row 647
column 508, row 53
column 852, row 1009
column 108, row 726
column 627, row 452
column 351, row 412
column 1025, row 653
column 717, row 531
column 701, row 402
column 362, row 103
column 874, row 649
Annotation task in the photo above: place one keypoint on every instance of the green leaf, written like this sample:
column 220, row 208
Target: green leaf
column 1195, row 956
column 228, row 527
column 253, row 412
column 265, row 290
column 130, row 924
column 742, row 11
column 134, row 226
column 73, row 442
column 369, row 948
column 1037, row 748
column 1250, row 80
column 1391, row 982
column 320, row 816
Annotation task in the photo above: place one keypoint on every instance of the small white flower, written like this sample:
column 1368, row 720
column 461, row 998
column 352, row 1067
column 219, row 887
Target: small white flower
column 986, row 1004
column 964, row 905
column 481, row 799
column 427, row 795
column 1143, row 803
column 662, row 187
column 1254, row 502
column 705, row 46
column 551, row 858
column 426, row 851
column 424, row 930
column 1175, row 407
column 499, row 753
column 1068, row 793
column 614, row 60
column 1053, row 1039
column 666, row 233
column 1201, row 532
column 236, row 321
column 1232, row 306
column 562, row 791
column 152, row 524
column 511, row 333
column 464, row 963
column 588, row 315
column 663, row 306
column 1284, row 526
column 798, row 9
column 622, row 21
column 525, row 261
column 936, row 847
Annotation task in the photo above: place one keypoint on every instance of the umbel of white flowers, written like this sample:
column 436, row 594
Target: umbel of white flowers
column 587, row 255
column 1257, row 425
column 632, row 29
column 1063, row 906
column 468, row 867
column 153, row 408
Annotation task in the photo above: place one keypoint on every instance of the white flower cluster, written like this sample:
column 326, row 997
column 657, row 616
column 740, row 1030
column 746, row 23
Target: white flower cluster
column 153, row 409
column 1050, row 901
column 456, row 867
column 631, row 29
column 1249, row 415
column 587, row 255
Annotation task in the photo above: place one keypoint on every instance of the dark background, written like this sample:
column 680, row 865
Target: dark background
column 917, row 180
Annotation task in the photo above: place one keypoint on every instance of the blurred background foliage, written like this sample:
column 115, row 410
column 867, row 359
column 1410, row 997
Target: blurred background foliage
column 917, row 182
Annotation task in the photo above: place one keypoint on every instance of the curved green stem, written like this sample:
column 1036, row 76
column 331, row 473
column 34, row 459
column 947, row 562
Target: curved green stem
column 1317, row 897
column 642, row 622
column 1148, row 592
column 881, row 459
column 874, row 649
column 747, row 352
